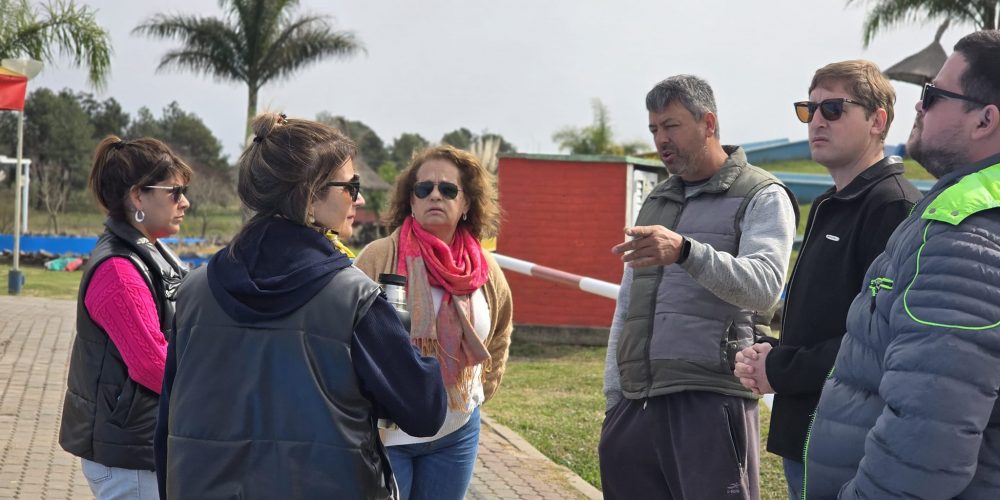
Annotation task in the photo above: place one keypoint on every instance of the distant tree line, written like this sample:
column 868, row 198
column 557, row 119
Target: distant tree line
column 62, row 128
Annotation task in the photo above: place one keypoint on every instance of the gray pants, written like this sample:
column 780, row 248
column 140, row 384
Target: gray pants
column 689, row 445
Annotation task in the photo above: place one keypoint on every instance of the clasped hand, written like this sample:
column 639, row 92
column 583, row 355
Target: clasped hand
column 750, row 368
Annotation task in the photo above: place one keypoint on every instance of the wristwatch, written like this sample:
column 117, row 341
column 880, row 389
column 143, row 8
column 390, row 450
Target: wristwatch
column 685, row 250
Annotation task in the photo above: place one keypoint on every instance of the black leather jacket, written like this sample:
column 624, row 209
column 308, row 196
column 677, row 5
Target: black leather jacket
column 271, row 408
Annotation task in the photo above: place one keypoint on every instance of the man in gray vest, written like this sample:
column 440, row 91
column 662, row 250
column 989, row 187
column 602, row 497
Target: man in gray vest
column 706, row 259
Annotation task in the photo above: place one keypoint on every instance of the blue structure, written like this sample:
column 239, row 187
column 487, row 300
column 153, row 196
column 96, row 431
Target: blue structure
column 66, row 245
column 808, row 186
column 785, row 150
column 58, row 245
column 82, row 245
column 777, row 150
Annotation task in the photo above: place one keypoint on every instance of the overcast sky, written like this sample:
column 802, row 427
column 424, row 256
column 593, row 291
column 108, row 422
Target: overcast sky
column 524, row 68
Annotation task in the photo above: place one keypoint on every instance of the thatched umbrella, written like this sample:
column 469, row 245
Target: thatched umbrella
column 370, row 180
column 922, row 67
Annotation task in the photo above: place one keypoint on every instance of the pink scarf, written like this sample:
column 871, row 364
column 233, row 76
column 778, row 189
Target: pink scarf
column 460, row 269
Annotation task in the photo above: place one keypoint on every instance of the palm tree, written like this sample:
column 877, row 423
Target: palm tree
column 257, row 41
column 597, row 139
column 984, row 14
column 60, row 27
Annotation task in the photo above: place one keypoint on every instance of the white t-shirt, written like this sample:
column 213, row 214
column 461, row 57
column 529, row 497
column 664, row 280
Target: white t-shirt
column 454, row 419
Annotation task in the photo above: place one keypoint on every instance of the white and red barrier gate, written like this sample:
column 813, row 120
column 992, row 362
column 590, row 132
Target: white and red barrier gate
column 590, row 285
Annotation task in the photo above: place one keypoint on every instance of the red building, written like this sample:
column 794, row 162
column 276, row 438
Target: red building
column 566, row 212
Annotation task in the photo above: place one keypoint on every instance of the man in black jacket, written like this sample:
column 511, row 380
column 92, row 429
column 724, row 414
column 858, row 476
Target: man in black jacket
column 849, row 111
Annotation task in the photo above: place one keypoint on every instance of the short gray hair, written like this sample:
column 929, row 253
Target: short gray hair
column 692, row 92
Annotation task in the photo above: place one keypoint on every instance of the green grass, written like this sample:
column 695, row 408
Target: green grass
column 40, row 282
column 804, row 209
column 913, row 169
column 551, row 396
column 772, row 474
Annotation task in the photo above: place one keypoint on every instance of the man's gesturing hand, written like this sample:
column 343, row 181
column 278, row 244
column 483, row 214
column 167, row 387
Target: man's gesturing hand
column 650, row 246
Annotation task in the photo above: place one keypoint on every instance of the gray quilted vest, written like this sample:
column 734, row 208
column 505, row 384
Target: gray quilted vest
column 679, row 336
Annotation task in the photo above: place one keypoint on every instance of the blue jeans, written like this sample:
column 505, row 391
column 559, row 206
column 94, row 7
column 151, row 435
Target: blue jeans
column 112, row 483
column 795, row 473
column 440, row 469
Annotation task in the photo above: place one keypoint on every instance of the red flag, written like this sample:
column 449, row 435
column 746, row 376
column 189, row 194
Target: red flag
column 12, row 90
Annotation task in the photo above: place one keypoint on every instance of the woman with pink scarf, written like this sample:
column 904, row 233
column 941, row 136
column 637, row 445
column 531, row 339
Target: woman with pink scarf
column 460, row 308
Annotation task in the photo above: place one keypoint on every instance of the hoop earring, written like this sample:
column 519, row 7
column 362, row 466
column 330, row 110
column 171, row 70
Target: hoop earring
column 140, row 215
column 465, row 216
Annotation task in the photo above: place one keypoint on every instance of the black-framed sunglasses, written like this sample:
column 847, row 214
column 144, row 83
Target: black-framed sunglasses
column 353, row 186
column 175, row 191
column 831, row 109
column 931, row 94
column 447, row 189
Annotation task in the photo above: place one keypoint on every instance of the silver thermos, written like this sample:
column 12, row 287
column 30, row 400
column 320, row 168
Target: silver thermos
column 394, row 286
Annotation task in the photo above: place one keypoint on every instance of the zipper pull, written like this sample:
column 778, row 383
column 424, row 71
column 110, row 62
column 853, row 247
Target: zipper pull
column 644, row 401
column 880, row 283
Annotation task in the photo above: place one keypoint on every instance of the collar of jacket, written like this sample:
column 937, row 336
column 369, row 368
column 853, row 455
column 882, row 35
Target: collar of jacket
column 130, row 235
column 673, row 188
column 168, row 266
column 890, row 165
column 974, row 192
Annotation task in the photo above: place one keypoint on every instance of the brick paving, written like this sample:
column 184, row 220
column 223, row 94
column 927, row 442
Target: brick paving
column 510, row 468
column 35, row 337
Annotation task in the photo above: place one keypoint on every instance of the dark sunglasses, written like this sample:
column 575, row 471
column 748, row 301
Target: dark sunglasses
column 930, row 95
column 447, row 189
column 831, row 109
column 353, row 186
column 175, row 191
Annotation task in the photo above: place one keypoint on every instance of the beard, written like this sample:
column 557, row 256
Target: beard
column 685, row 162
column 680, row 166
column 940, row 159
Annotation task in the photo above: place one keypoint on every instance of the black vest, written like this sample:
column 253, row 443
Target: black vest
column 273, row 408
column 107, row 417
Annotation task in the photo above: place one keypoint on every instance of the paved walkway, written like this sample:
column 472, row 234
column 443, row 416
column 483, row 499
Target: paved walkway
column 35, row 337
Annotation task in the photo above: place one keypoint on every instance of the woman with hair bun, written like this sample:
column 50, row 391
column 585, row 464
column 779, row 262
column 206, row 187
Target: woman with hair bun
column 278, row 370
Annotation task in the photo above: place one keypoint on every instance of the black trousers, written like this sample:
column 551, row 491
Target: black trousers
column 689, row 445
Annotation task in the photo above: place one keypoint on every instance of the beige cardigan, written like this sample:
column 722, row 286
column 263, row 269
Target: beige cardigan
column 380, row 256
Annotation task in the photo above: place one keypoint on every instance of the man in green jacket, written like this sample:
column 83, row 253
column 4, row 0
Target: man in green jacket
column 910, row 409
